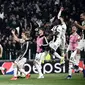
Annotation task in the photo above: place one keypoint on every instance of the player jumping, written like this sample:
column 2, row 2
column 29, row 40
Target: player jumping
column 60, row 40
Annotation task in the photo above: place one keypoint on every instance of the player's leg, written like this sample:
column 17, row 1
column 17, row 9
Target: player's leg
column 58, row 44
column 43, row 56
column 72, row 57
column 15, row 75
column 37, row 63
column 63, row 41
column 27, row 75
column 3, row 69
column 77, row 60
column 70, row 71
column 73, row 64
column 76, row 53
column 15, row 72
column 21, row 67
column 54, row 46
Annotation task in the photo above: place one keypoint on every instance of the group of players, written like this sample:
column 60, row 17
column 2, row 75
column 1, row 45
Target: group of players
column 76, row 44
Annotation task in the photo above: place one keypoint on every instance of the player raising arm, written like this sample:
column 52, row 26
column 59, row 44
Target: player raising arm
column 21, row 59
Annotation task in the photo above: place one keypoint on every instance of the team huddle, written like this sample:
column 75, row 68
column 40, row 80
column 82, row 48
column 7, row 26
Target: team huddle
column 44, row 45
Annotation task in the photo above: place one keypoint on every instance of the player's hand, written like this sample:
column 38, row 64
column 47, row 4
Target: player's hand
column 13, row 32
column 61, row 8
column 71, row 20
column 0, row 56
column 76, row 22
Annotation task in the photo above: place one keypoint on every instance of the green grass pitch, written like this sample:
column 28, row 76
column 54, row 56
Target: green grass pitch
column 50, row 79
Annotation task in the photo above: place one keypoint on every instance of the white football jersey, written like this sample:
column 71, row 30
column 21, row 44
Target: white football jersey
column 57, row 29
column 63, row 29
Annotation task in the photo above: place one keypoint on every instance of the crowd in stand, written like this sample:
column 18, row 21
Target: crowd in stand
column 31, row 14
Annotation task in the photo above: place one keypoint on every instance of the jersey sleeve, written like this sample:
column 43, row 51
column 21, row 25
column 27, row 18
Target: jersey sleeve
column 21, row 40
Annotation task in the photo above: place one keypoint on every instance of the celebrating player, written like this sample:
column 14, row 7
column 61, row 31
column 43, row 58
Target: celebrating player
column 21, row 60
column 42, row 43
column 73, row 43
column 60, row 40
column 81, row 44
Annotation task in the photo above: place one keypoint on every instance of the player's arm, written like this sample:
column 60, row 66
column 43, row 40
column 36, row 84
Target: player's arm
column 15, row 36
column 68, row 48
column 79, row 26
column 59, row 15
column 1, row 51
column 46, row 42
column 79, row 38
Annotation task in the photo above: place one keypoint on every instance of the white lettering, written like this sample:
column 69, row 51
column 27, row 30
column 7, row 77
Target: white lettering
column 35, row 69
column 46, row 68
column 47, row 65
column 58, row 69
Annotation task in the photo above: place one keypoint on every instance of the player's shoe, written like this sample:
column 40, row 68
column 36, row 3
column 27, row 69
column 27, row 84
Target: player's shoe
column 40, row 77
column 62, row 61
column 28, row 76
column 14, row 78
column 69, row 77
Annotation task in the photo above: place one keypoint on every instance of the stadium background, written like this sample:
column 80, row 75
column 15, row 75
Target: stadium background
column 17, row 13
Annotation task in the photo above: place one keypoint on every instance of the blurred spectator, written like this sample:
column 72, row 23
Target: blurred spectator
column 35, row 13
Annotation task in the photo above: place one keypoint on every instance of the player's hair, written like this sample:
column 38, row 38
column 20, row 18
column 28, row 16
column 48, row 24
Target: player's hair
column 42, row 28
column 27, row 33
column 73, row 25
column 83, row 13
column 57, row 22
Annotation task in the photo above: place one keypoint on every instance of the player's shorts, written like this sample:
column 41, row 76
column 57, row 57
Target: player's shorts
column 75, row 60
column 56, row 44
column 40, row 57
column 20, row 63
